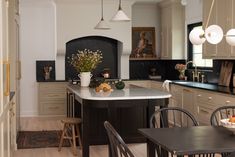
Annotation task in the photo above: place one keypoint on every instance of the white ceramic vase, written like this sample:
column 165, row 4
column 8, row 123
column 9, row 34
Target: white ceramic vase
column 85, row 78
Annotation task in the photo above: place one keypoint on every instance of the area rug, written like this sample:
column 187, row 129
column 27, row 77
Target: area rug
column 40, row 139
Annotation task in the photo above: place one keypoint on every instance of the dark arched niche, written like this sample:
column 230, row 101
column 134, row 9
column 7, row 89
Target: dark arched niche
column 107, row 46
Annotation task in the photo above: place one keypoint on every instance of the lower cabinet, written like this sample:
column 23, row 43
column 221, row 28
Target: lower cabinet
column 52, row 98
column 200, row 103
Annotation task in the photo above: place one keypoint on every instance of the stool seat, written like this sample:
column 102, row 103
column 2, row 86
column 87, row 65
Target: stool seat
column 72, row 120
column 71, row 128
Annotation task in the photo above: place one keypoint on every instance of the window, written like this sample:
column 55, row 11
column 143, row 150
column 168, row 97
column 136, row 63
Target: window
column 195, row 51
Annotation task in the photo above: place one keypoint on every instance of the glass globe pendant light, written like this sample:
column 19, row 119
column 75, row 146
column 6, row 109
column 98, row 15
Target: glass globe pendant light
column 230, row 37
column 214, row 34
column 102, row 24
column 120, row 15
column 196, row 36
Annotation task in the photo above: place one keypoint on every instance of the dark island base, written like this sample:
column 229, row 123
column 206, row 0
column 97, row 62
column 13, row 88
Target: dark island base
column 125, row 115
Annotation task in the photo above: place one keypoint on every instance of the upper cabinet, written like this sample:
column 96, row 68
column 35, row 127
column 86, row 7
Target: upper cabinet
column 223, row 14
column 172, row 29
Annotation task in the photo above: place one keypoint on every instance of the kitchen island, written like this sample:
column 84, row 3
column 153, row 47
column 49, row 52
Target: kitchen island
column 127, row 110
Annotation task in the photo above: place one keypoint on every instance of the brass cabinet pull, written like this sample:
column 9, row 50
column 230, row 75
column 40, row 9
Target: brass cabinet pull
column 7, row 84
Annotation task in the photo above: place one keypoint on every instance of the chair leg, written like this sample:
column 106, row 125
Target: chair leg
column 62, row 138
column 79, row 136
column 74, row 140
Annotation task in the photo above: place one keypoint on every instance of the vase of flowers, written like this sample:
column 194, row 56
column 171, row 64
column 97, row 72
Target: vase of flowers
column 181, row 68
column 85, row 62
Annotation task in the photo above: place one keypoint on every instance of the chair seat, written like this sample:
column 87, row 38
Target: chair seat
column 72, row 120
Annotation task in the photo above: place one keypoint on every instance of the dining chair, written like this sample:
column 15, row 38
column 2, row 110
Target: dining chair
column 117, row 145
column 172, row 117
column 221, row 113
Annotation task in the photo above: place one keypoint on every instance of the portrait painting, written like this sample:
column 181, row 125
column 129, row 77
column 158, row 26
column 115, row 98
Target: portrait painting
column 143, row 42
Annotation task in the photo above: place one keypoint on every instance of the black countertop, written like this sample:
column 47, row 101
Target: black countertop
column 206, row 86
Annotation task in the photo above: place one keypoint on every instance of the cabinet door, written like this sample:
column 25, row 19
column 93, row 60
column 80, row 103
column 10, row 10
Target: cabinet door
column 232, row 18
column 209, row 50
column 165, row 34
column 224, row 10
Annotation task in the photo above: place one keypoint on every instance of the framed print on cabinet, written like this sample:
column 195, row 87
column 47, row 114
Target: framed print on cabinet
column 143, row 42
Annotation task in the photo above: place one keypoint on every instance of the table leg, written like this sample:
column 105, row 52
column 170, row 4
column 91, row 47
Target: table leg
column 150, row 149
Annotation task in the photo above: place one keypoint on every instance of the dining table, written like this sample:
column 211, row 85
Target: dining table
column 189, row 140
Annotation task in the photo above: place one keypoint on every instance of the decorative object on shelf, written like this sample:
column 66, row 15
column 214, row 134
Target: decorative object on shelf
column 45, row 70
column 143, row 42
column 120, row 15
column 181, row 68
column 213, row 34
column 106, row 73
column 102, row 24
column 84, row 62
column 120, row 84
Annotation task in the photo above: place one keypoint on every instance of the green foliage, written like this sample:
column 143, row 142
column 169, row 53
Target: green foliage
column 86, row 60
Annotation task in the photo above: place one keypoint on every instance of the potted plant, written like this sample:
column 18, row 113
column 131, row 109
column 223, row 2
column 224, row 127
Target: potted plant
column 85, row 62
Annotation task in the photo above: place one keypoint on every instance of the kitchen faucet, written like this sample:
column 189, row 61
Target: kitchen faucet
column 195, row 72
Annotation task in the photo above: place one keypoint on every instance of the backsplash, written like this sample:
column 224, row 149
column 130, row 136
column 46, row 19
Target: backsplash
column 166, row 68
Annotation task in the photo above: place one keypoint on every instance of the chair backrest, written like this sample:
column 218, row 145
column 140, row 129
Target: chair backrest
column 221, row 113
column 118, row 146
column 172, row 117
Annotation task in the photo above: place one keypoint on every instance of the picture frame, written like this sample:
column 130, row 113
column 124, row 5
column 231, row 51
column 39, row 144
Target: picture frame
column 143, row 42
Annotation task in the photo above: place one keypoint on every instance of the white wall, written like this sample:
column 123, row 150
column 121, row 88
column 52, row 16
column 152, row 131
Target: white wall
column 37, row 42
column 147, row 15
column 193, row 14
column 78, row 19
column 193, row 11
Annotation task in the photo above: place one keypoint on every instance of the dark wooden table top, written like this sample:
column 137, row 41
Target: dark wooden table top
column 192, row 140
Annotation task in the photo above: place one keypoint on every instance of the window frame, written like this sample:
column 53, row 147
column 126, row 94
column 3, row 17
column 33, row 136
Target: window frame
column 190, row 48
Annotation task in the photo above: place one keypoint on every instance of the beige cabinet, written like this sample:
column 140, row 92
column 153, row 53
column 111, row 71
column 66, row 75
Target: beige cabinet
column 172, row 29
column 52, row 98
column 222, row 15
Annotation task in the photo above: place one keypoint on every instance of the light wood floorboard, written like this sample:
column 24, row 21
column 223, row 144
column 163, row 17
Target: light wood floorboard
column 42, row 123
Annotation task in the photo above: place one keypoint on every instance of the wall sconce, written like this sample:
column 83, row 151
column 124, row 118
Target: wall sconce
column 213, row 34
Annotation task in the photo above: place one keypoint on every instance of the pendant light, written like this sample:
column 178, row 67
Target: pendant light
column 120, row 15
column 102, row 24
column 213, row 34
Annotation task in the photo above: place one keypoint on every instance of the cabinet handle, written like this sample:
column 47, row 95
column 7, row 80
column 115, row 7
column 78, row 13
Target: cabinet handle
column 7, row 84
column 209, row 98
column 227, row 102
column 53, row 107
column 199, row 95
column 204, row 111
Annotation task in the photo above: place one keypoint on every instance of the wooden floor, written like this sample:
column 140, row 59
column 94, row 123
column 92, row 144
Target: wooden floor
column 36, row 124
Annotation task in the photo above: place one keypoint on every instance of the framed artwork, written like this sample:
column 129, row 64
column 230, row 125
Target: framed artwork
column 45, row 70
column 143, row 42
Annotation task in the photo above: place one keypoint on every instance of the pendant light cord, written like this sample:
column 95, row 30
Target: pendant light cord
column 120, row 3
column 102, row 12
column 209, row 16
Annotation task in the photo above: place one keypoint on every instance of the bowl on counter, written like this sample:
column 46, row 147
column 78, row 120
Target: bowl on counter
column 228, row 125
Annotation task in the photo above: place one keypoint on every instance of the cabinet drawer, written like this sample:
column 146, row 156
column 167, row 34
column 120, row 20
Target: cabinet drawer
column 223, row 100
column 52, row 108
column 204, row 115
column 204, row 97
column 52, row 95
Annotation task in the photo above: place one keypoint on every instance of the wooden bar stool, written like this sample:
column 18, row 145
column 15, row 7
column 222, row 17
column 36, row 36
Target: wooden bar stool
column 71, row 126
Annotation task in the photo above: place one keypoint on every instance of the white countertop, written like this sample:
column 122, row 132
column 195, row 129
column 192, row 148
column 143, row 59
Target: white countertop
column 128, row 93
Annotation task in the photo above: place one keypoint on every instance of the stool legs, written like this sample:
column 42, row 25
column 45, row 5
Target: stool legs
column 79, row 136
column 62, row 137
column 69, row 132
column 74, row 140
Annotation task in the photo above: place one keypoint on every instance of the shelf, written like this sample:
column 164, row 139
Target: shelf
column 143, row 59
